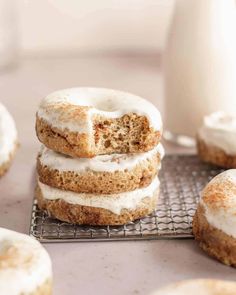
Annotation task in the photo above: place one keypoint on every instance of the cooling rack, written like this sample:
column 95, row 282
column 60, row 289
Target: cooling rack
column 182, row 178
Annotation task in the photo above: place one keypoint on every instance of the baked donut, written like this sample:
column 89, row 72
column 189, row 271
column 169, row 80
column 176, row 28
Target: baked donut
column 105, row 174
column 199, row 286
column 25, row 266
column 216, row 140
column 86, row 122
column 8, row 139
column 98, row 209
column 214, row 223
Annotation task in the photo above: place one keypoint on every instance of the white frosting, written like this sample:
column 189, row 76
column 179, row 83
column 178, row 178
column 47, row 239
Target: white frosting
column 113, row 202
column 8, row 134
column 221, row 213
column 24, row 263
column 219, row 129
column 199, row 287
column 105, row 102
column 104, row 163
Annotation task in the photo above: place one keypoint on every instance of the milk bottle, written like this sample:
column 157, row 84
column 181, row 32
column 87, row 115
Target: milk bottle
column 200, row 64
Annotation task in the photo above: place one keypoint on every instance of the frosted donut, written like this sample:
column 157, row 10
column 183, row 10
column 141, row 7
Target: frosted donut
column 199, row 287
column 214, row 223
column 8, row 139
column 217, row 140
column 105, row 174
column 85, row 122
column 94, row 209
column 25, row 266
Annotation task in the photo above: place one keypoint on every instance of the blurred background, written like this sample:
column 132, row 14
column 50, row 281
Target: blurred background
column 77, row 26
column 60, row 27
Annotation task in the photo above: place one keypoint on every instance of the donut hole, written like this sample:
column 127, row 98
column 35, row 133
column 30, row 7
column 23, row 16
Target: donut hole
column 106, row 105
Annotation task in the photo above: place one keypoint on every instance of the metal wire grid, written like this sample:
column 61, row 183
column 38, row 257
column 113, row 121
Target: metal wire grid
column 182, row 178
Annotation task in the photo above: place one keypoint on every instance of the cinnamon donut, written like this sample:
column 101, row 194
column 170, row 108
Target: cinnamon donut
column 214, row 223
column 98, row 209
column 105, row 174
column 25, row 266
column 86, row 122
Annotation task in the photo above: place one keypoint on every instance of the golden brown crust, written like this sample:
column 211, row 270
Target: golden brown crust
column 212, row 240
column 214, row 155
column 94, row 216
column 69, row 143
column 6, row 165
column 44, row 289
column 128, row 134
column 101, row 182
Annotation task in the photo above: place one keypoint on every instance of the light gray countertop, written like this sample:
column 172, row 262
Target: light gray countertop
column 99, row 267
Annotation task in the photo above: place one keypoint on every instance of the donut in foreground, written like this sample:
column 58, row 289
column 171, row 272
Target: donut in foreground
column 25, row 266
column 214, row 223
column 8, row 140
column 199, row 287
column 86, row 122
column 98, row 209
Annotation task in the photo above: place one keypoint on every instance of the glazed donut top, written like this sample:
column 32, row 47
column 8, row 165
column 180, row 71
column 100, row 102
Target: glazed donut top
column 199, row 287
column 219, row 200
column 104, row 163
column 8, row 134
column 24, row 263
column 219, row 129
column 73, row 108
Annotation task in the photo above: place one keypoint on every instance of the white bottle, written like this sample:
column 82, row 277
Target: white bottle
column 200, row 63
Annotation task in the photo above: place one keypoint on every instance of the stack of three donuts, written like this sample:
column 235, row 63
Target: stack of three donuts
column 100, row 157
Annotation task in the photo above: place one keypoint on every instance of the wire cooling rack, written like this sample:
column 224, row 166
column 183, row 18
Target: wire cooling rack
column 182, row 178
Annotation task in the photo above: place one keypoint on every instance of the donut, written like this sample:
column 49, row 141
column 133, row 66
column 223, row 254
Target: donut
column 25, row 266
column 214, row 223
column 104, row 174
column 216, row 140
column 98, row 209
column 86, row 122
column 8, row 139
column 199, row 286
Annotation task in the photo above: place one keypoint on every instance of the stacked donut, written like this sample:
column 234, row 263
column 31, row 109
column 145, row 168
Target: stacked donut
column 100, row 157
